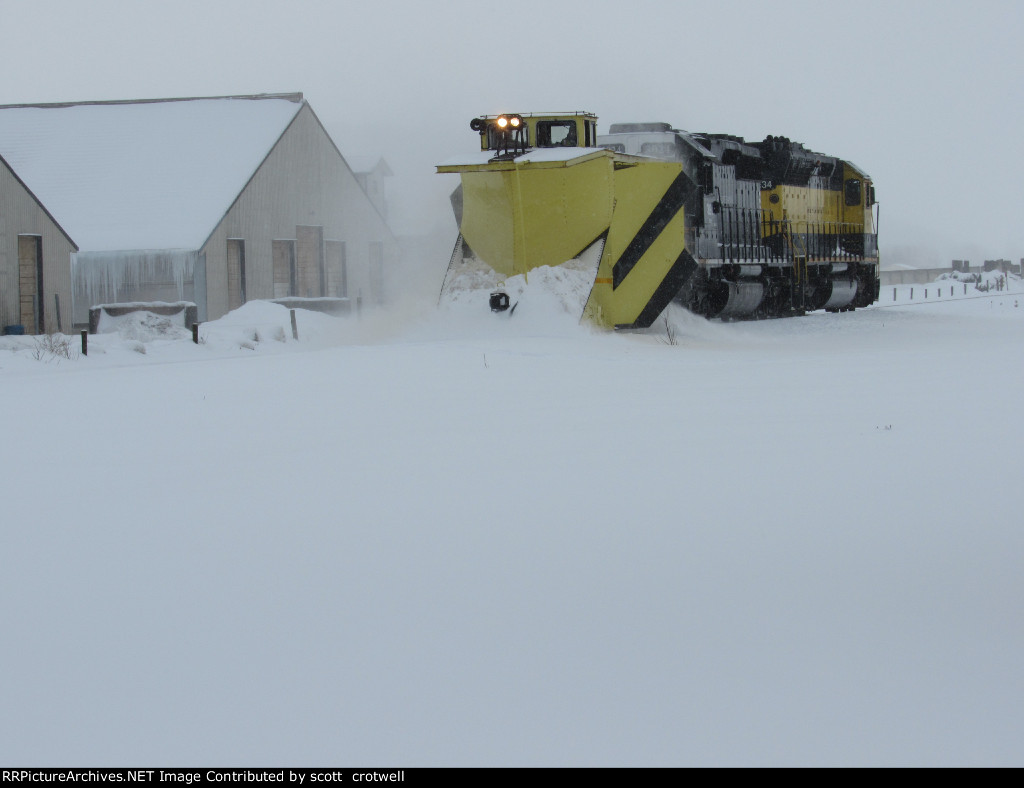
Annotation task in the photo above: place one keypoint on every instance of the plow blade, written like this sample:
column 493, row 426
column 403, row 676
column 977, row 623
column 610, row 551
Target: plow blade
column 603, row 231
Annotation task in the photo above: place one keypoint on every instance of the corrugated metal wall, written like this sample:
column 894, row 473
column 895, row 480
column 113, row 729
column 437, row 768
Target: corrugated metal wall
column 303, row 183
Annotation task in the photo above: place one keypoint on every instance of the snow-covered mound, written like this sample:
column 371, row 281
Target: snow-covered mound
column 547, row 296
column 984, row 281
column 143, row 326
column 546, row 291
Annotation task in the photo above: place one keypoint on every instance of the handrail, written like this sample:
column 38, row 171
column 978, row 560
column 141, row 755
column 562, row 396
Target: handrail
column 753, row 235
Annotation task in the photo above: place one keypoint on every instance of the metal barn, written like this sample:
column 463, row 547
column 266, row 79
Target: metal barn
column 212, row 200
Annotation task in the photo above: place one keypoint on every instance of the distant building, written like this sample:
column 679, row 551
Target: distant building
column 371, row 172
column 213, row 200
column 906, row 275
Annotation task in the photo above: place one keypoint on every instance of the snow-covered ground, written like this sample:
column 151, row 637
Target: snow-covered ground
column 457, row 539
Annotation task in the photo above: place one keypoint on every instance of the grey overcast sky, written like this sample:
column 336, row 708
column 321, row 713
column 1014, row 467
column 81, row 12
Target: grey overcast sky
column 924, row 95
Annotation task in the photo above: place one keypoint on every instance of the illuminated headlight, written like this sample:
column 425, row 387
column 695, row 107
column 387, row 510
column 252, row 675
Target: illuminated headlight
column 505, row 122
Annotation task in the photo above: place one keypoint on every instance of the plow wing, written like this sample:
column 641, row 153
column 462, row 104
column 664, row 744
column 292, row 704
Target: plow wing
column 617, row 219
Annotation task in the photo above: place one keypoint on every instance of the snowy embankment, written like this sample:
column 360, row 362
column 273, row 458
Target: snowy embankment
column 954, row 286
column 459, row 539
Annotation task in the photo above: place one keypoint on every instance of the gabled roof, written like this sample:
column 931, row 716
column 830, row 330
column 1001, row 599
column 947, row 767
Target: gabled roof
column 28, row 192
column 153, row 174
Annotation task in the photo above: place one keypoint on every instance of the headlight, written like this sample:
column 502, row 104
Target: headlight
column 509, row 122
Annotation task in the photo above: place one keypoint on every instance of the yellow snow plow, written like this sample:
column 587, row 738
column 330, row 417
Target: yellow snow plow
column 648, row 214
column 541, row 193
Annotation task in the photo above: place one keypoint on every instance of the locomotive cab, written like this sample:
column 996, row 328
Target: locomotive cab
column 513, row 133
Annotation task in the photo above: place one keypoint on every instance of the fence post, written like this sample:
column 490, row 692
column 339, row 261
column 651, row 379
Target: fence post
column 295, row 327
column 894, row 294
column 85, row 342
column 195, row 333
column 911, row 294
column 56, row 302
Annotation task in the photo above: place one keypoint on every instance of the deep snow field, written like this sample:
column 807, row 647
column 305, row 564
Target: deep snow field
column 441, row 537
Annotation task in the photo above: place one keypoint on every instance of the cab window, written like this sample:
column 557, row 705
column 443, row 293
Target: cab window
column 556, row 134
column 497, row 139
column 853, row 192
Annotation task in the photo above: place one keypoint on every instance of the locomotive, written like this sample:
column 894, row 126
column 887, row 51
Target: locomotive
column 651, row 214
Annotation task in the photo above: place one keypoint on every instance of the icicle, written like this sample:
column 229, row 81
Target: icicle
column 124, row 276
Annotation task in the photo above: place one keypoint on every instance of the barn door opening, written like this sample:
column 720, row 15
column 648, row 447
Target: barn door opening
column 284, row 269
column 30, row 282
column 236, row 273
column 309, row 261
column 337, row 269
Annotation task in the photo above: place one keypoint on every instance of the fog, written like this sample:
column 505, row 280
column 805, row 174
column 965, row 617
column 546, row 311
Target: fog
column 923, row 95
